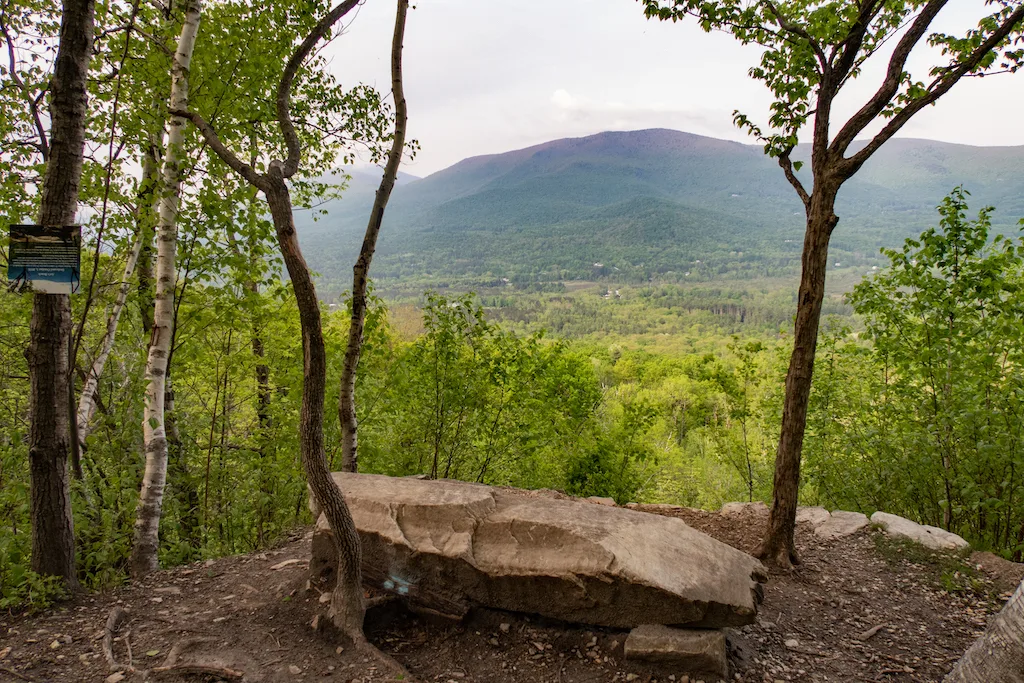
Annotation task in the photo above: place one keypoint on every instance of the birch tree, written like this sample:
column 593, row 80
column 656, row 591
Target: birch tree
column 811, row 52
column 147, row 522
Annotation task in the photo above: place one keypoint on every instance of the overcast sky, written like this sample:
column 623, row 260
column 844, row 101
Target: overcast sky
column 487, row 76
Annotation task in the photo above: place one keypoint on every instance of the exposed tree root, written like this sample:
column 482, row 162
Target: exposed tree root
column 179, row 648
column 115, row 619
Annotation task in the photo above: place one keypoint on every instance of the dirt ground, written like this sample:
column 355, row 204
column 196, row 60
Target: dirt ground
column 858, row 609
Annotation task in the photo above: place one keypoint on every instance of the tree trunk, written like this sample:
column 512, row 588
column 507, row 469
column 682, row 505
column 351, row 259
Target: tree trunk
column 145, row 220
column 998, row 655
column 147, row 522
column 87, row 401
column 779, row 548
column 347, row 605
column 53, row 534
column 361, row 270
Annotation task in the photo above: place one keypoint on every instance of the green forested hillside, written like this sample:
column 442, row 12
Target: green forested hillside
column 652, row 204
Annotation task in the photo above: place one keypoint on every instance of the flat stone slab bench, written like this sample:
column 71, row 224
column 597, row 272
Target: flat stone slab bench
column 448, row 546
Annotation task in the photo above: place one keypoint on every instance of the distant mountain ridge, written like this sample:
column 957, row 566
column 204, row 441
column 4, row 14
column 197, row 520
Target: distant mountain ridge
column 646, row 204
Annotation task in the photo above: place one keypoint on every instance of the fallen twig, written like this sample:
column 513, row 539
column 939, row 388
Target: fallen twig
column 870, row 632
column 16, row 674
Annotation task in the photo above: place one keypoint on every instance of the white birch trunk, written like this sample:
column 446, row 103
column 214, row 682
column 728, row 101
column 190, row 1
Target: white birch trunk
column 87, row 401
column 998, row 655
column 147, row 520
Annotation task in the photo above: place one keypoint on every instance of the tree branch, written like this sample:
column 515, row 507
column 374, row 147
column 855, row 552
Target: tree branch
column 284, row 89
column 33, row 102
column 787, row 167
column 893, row 79
column 215, row 143
column 939, row 88
column 855, row 38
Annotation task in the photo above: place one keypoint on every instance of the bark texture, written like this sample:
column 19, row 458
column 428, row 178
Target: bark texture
column 779, row 548
column 361, row 270
column 347, row 607
column 53, row 535
column 998, row 655
column 147, row 520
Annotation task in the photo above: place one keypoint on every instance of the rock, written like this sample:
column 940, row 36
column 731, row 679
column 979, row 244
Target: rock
column 690, row 649
column 815, row 516
column 286, row 563
column 928, row 536
column 841, row 524
column 294, row 670
column 449, row 546
column 601, row 501
column 736, row 509
column 792, row 643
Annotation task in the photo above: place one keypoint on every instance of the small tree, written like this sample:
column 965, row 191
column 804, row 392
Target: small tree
column 347, row 603
column 361, row 270
column 812, row 50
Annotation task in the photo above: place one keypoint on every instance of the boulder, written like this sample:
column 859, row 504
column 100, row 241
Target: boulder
column 737, row 509
column 447, row 546
column 928, row 536
column 815, row 516
column 692, row 650
column 601, row 501
column 841, row 524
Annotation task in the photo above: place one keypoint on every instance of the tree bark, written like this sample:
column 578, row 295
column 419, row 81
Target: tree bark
column 998, row 655
column 361, row 270
column 347, row 606
column 147, row 521
column 53, row 535
column 145, row 220
column 779, row 547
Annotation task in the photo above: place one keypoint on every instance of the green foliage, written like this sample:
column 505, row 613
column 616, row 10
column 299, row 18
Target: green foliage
column 925, row 421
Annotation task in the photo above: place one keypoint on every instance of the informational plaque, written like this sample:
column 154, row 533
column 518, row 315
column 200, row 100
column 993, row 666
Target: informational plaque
column 45, row 259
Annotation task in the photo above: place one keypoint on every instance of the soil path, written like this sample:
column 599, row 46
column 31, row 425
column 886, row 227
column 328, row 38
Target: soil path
column 858, row 609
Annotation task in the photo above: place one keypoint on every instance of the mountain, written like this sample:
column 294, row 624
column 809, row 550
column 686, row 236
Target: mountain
column 641, row 204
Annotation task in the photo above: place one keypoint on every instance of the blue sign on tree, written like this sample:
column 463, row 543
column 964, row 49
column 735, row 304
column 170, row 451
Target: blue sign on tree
column 45, row 259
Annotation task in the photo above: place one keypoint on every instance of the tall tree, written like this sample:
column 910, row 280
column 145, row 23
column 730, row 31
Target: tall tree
column 811, row 52
column 53, row 536
column 361, row 270
column 147, row 521
column 998, row 655
column 347, row 602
